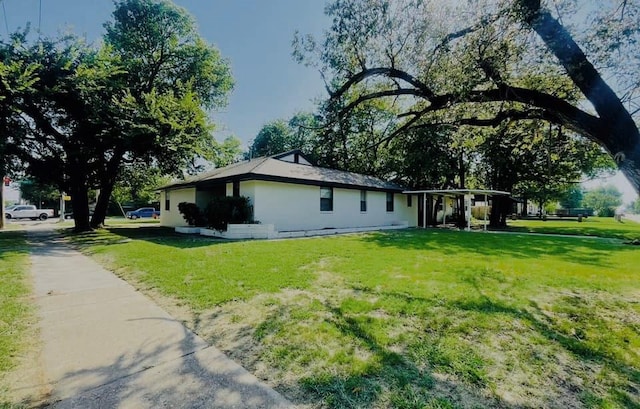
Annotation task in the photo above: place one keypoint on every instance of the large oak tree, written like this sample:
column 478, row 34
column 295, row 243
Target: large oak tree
column 138, row 98
column 439, row 61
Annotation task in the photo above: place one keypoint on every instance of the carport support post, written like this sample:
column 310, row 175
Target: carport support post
column 486, row 206
column 444, row 210
column 467, row 210
column 424, row 211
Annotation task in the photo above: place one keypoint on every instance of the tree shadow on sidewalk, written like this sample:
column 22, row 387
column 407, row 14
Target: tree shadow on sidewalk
column 198, row 377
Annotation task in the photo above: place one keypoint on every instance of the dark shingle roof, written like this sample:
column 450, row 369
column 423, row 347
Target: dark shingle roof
column 268, row 168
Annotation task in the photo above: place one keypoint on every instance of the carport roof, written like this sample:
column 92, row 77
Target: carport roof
column 457, row 192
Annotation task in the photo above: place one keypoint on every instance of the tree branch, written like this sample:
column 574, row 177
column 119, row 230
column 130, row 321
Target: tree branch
column 379, row 94
column 623, row 134
column 386, row 72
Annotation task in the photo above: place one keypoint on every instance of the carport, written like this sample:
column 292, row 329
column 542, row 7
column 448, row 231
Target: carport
column 456, row 193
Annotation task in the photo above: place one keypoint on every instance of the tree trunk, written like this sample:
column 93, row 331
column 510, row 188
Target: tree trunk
column 80, row 201
column 500, row 209
column 102, row 205
column 524, row 212
column 630, row 167
column 106, row 189
column 620, row 135
column 436, row 205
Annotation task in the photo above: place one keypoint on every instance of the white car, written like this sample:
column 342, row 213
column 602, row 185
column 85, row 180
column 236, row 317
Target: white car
column 28, row 212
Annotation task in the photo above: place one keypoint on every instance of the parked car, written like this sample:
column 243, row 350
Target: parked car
column 28, row 212
column 143, row 212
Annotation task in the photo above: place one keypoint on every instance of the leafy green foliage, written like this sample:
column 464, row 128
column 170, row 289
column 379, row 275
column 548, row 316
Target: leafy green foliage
column 274, row 137
column 572, row 198
column 224, row 210
column 603, row 199
column 37, row 193
column 157, row 75
column 161, row 50
column 137, row 184
column 228, row 152
column 192, row 214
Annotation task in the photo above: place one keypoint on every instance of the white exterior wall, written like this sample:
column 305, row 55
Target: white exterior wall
column 297, row 207
column 172, row 217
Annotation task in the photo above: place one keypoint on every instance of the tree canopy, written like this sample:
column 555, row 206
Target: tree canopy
column 77, row 113
column 443, row 63
column 603, row 199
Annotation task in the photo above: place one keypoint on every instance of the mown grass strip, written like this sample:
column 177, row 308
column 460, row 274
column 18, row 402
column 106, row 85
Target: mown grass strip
column 15, row 310
column 591, row 226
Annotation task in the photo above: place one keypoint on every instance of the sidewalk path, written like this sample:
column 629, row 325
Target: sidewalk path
column 105, row 345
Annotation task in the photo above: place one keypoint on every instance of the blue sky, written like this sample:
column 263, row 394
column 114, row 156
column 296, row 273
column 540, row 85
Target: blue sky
column 255, row 35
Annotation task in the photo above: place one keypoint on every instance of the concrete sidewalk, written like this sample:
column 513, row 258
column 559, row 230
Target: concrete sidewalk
column 105, row 345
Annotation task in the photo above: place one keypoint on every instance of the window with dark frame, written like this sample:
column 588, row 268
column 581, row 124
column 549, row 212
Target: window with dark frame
column 236, row 188
column 167, row 201
column 363, row 200
column 389, row 201
column 408, row 200
column 326, row 199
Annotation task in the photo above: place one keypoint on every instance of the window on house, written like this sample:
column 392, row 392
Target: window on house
column 236, row 188
column 363, row 200
column 409, row 200
column 389, row 201
column 326, row 199
column 167, row 201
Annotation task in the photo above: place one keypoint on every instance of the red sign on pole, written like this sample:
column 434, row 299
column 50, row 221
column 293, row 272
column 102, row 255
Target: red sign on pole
column 7, row 181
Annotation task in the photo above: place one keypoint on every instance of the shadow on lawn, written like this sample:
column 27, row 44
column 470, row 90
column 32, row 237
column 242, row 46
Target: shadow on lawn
column 163, row 236
column 595, row 252
column 579, row 348
column 415, row 385
column 12, row 243
column 390, row 379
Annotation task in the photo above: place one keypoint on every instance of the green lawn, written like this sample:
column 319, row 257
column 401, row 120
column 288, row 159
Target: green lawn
column 15, row 310
column 591, row 226
column 407, row 319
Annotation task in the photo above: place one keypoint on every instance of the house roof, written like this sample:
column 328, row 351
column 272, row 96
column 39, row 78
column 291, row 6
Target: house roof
column 273, row 169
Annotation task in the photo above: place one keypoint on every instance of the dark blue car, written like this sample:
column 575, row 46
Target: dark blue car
column 143, row 212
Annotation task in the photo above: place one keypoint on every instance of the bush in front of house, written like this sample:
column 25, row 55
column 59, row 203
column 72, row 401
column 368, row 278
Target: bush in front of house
column 478, row 212
column 192, row 214
column 225, row 210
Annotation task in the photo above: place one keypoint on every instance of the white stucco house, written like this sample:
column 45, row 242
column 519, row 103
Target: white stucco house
column 290, row 193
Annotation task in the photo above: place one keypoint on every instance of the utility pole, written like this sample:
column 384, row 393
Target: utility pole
column 62, row 194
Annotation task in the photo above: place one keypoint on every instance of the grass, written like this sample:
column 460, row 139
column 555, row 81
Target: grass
column 407, row 319
column 591, row 226
column 15, row 311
